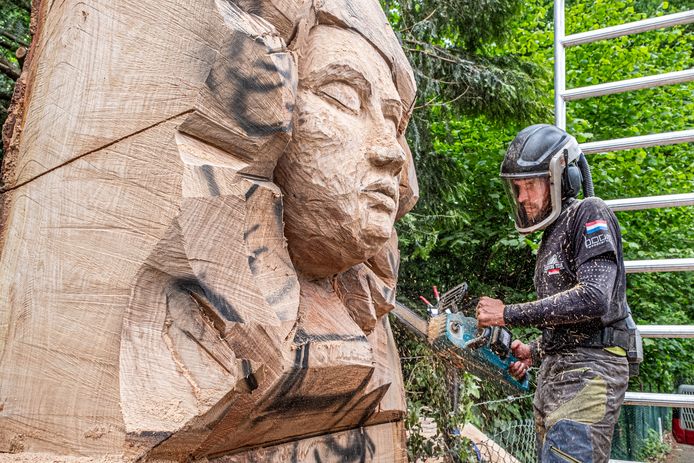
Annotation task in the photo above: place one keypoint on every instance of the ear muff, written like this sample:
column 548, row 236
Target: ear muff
column 571, row 180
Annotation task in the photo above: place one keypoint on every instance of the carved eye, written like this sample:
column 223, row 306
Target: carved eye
column 342, row 94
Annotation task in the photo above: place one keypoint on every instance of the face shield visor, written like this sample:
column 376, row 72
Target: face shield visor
column 535, row 197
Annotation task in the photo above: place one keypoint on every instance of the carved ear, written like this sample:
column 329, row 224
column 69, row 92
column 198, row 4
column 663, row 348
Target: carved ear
column 245, row 107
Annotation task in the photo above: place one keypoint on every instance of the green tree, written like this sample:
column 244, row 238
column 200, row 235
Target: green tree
column 462, row 231
column 14, row 42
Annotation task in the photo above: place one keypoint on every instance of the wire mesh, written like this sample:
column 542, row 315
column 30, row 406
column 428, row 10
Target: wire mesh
column 519, row 439
column 635, row 426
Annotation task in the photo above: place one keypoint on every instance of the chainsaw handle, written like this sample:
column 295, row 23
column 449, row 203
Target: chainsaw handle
column 512, row 359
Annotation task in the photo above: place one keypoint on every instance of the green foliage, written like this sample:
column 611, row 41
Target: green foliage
column 660, row 233
column 442, row 40
column 461, row 230
column 14, row 31
column 434, row 391
column 653, row 449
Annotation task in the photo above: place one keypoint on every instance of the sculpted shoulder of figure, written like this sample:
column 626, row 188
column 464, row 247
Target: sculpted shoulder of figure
column 163, row 310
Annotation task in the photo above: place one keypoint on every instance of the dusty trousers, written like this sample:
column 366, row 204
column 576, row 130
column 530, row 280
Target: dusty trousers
column 576, row 405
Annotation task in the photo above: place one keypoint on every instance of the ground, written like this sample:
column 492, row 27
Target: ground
column 681, row 453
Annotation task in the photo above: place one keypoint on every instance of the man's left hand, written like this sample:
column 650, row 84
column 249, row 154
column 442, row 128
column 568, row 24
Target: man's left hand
column 490, row 312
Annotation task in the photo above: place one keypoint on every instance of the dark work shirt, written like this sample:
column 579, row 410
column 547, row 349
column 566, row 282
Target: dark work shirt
column 579, row 277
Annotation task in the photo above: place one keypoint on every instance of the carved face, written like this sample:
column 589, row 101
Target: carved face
column 340, row 174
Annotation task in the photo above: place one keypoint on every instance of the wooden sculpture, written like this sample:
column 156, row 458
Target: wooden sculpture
column 157, row 155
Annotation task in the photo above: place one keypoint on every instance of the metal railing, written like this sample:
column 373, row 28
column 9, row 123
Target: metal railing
column 562, row 95
column 642, row 141
column 650, row 202
column 629, row 85
column 666, row 331
column 659, row 265
column 561, row 42
column 657, row 399
column 635, row 27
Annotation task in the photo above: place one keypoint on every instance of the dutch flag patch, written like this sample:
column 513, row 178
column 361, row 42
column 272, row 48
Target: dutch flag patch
column 596, row 226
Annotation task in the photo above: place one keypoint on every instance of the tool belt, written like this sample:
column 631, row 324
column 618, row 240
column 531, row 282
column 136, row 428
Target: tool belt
column 609, row 336
column 622, row 333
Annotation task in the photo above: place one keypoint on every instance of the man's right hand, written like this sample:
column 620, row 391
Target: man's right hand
column 524, row 356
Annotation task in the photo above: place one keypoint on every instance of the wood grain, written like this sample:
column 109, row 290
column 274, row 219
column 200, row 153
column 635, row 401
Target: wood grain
column 155, row 300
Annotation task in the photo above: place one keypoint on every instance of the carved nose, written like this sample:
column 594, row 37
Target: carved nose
column 391, row 157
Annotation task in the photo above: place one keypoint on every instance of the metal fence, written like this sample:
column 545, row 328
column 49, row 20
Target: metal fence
column 636, row 428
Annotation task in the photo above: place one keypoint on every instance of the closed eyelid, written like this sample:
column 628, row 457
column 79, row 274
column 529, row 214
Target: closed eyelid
column 339, row 72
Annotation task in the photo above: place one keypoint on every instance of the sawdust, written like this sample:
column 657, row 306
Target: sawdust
column 50, row 458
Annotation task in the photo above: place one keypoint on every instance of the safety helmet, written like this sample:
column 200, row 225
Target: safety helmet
column 539, row 172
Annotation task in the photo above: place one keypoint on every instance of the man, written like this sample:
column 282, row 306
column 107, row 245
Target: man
column 582, row 309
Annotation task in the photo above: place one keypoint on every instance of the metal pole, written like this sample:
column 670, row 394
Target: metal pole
column 659, row 400
column 660, row 428
column 559, row 66
column 651, row 202
column 659, row 265
column 642, row 141
column 666, row 331
column 611, row 88
column 649, row 24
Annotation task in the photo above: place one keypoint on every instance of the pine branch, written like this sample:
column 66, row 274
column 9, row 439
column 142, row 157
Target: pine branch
column 450, row 57
column 23, row 4
column 9, row 69
column 14, row 38
column 7, row 45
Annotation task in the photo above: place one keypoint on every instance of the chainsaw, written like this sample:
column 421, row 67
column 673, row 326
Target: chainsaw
column 453, row 333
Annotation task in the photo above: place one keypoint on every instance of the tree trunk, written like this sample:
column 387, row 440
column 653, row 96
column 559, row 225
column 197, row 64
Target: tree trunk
column 151, row 307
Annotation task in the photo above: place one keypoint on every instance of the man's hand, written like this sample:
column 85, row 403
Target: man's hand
column 524, row 356
column 490, row 312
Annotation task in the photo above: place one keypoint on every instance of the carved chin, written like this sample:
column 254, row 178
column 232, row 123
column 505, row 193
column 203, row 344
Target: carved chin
column 377, row 228
column 329, row 244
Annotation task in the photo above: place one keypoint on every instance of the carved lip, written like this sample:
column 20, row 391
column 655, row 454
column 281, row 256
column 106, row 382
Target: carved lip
column 383, row 192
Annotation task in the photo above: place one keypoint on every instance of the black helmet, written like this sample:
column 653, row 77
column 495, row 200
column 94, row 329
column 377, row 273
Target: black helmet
column 540, row 171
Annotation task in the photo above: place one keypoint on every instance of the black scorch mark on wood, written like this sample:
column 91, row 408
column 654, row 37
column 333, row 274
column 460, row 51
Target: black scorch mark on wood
column 212, row 186
column 302, row 337
column 288, row 401
column 215, row 300
column 282, row 292
column 359, row 448
column 248, row 375
column 250, row 231
column 254, row 256
column 250, row 83
column 251, row 191
column 278, row 210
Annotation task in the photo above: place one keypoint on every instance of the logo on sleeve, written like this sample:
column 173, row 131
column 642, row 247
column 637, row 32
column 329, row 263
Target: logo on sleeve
column 553, row 265
column 597, row 233
column 596, row 226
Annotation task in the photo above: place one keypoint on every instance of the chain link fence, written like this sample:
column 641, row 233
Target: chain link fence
column 519, row 439
column 636, row 427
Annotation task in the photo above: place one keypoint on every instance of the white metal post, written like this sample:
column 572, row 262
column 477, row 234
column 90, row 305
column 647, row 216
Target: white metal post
column 559, row 66
column 650, row 24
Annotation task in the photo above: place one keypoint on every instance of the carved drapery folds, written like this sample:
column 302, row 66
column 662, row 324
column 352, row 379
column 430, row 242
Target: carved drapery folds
column 198, row 249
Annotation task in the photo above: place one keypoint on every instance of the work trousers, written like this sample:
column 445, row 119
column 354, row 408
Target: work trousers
column 577, row 401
